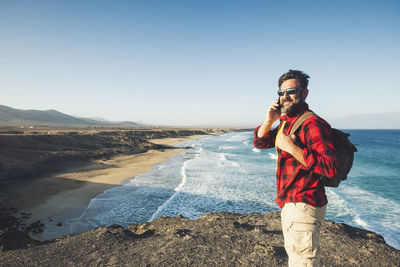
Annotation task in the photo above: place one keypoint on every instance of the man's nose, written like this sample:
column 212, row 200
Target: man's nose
column 285, row 94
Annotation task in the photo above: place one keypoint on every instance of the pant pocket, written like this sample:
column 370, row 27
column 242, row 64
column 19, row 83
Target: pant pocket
column 302, row 237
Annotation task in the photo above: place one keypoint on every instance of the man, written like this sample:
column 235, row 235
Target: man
column 302, row 159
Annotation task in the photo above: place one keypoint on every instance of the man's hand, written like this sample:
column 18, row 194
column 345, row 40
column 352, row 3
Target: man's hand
column 286, row 142
column 272, row 115
column 273, row 112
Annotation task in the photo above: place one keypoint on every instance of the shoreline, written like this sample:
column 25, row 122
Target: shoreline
column 72, row 190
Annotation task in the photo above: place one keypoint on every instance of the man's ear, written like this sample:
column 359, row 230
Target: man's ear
column 305, row 93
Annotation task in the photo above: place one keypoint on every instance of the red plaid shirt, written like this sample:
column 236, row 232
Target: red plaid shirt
column 295, row 182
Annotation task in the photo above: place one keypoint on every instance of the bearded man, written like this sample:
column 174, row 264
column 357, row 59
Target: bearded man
column 302, row 159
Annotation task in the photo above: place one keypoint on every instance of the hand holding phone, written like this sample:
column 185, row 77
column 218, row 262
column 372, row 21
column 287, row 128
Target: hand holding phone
column 274, row 111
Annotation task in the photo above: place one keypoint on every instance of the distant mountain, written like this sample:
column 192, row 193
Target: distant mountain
column 368, row 121
column 18, row 117
column 91, row 118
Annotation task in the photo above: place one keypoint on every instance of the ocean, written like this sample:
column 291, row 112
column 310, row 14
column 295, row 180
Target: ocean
column 226, row 173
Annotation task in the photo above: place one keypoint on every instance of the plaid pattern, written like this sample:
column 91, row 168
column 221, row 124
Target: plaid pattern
column 295, row 182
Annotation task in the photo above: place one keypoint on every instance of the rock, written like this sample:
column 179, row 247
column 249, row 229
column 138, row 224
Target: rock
column 215, row 239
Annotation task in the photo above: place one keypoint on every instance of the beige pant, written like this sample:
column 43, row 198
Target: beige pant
column 300, row 227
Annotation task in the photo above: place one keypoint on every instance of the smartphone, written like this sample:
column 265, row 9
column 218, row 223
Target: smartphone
column 279, row 107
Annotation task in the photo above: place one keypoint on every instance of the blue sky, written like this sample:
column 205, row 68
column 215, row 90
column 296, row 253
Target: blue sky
column 197, row 62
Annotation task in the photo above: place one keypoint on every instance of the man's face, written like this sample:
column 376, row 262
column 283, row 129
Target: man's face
column 291, row 102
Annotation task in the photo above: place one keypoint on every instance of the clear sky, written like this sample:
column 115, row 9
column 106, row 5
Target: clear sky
column 197, row 62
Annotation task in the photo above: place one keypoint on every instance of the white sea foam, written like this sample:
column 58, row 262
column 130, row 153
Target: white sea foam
column 361, row 222
column 227, row 147
column 273, row 156
column 256, row 150
column 223, row 161
column 340, row 208
column 367, row 210
column 178, row 189
column 374, row 200
column 234, row 138
column 217, row 182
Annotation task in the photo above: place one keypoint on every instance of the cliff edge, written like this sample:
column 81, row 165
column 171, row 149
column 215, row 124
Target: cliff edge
column 215, row 239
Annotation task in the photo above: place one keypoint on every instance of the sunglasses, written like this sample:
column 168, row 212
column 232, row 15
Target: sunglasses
column 289, row 91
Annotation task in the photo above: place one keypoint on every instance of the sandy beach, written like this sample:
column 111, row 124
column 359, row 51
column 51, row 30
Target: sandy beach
column 53, row 210
column 51, row 200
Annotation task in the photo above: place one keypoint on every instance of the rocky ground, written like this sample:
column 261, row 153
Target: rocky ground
column 215, row 239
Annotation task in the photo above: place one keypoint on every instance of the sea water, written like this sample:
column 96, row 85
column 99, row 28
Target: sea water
column 226, row 173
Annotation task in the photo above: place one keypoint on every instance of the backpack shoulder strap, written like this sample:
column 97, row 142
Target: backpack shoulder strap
column 300, row 121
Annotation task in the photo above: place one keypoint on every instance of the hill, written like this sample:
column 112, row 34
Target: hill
column 19, row 117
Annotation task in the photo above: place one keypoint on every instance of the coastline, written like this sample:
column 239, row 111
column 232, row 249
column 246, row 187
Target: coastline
column 52, row 200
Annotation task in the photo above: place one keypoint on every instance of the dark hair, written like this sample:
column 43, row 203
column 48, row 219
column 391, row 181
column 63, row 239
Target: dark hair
column 300, row 76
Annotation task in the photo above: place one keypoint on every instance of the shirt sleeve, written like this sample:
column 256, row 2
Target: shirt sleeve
column 267, row 141
column 319, row 153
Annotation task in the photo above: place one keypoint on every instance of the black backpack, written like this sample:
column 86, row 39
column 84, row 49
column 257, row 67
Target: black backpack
column 344, row 150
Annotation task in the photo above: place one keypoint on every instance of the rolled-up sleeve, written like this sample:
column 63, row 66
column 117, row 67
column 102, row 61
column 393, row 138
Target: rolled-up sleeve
column 319, row 155
column 267, row 141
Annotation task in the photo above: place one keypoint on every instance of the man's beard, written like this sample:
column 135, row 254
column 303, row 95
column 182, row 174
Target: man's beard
column 293, row 107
